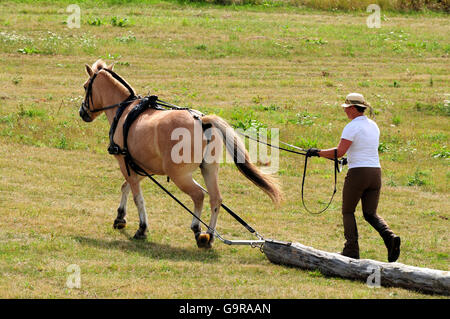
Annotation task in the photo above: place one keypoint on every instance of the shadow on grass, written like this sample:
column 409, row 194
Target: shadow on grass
column 151, row 249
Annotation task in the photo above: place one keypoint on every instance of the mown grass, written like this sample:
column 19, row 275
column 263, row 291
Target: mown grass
column 277, row 67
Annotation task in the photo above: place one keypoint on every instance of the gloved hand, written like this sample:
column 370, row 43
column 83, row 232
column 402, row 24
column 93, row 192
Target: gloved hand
column 312, row 152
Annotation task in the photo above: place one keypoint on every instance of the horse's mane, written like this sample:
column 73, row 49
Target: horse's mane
column 98, row 65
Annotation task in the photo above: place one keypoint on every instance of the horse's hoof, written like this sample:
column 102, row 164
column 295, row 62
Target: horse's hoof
column 119, row 223
column 204, row 240
column 140, row 235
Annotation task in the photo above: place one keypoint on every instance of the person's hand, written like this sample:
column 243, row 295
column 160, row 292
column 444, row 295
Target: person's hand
column 312, row 152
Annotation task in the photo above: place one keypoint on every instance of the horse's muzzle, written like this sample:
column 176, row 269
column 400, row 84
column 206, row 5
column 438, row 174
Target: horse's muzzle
column 84, row 114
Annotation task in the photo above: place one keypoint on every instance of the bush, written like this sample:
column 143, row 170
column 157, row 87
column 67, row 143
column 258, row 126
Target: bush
column 28, row 50
column 120, row 22
column 95, row 21
column 441, row 152
column 418, row 179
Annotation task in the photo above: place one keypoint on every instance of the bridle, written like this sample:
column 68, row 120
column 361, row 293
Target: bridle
column 85, row 108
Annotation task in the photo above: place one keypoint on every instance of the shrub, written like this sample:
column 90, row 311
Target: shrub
column 27, row 50
column 396, row 120
column 418, row 179
column 119, row 22
column 95, row 21
column 201, row 47
column 383, row 147
column 130, row 37
column 441, row 152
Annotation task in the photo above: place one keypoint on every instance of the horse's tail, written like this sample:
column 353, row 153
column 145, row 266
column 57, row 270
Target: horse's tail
column 236, row 148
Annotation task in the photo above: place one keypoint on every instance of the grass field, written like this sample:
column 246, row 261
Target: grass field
column 279, row 67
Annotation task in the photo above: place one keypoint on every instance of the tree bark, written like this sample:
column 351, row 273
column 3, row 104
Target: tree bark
column 373, row 272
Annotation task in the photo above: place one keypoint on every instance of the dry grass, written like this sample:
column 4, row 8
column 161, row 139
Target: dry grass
column 395, row 5
column 286, row 68
column 344, row 5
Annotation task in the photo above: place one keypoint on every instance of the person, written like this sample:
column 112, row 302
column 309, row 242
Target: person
column 360, row 140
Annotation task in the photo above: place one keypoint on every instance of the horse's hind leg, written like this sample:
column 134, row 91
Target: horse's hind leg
column 187, row 185
column 210, row 175
column 120, row 221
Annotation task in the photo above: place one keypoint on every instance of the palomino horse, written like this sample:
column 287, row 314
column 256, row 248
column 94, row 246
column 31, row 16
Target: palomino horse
column 150, row 145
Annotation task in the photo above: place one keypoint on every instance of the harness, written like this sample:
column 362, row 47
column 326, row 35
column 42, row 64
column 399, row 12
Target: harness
column 152, row 102
column 113, row 148
column 145, row 103
column 148, row 102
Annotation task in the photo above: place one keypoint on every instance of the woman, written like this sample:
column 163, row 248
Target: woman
column 360, row 139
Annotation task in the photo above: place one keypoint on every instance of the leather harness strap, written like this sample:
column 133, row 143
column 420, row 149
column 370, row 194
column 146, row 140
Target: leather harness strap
column 148, row 102
column 336, row 170
column 90, row 100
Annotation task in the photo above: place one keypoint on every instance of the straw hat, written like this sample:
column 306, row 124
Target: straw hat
column 355, row 99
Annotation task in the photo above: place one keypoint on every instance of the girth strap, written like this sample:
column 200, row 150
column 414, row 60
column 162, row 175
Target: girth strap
column 145, row 104
column 113, row 148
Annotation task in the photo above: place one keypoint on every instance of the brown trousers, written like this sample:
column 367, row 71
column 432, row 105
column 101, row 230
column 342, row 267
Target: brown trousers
column 362, row 183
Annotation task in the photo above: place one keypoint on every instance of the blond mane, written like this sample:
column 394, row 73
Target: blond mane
column 99, row 65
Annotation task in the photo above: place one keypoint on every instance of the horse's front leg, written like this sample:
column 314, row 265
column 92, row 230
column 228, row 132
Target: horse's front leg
column 120, row 221
column 141, row 233
column 132, row 183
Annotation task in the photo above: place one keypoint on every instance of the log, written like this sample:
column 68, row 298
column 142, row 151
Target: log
column 374, row 273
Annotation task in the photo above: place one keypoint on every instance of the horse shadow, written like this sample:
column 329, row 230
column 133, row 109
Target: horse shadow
column 150, row 249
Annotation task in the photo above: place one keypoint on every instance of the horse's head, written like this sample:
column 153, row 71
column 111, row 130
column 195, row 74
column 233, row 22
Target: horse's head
column 92, row 104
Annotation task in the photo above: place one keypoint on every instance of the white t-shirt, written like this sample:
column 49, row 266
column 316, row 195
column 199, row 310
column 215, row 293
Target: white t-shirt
column 365, row 136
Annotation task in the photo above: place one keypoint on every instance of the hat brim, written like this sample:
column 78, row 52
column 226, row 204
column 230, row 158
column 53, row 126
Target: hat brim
column 347, row 105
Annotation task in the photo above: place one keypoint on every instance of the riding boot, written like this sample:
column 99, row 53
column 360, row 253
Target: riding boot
column 392, row 243
column 351, row 249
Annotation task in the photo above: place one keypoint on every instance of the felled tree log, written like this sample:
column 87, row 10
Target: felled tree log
column 371, row 271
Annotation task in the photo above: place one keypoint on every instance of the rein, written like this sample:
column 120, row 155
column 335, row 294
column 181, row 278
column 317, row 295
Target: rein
column 338, row 164
column 336, row 170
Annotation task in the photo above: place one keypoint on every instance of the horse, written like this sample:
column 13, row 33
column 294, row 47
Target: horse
column 151, row 146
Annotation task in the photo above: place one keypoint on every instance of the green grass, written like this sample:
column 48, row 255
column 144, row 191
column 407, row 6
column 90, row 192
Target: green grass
column 256, row 66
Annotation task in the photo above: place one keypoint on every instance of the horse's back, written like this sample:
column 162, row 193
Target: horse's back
column 154, row 135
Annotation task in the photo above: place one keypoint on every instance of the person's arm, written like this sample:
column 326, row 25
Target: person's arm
column 341, row 149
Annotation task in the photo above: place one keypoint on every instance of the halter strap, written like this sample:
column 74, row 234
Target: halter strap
column 89, row 97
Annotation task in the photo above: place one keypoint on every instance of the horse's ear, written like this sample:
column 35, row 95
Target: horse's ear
column 89, row 70
column 111, row 66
